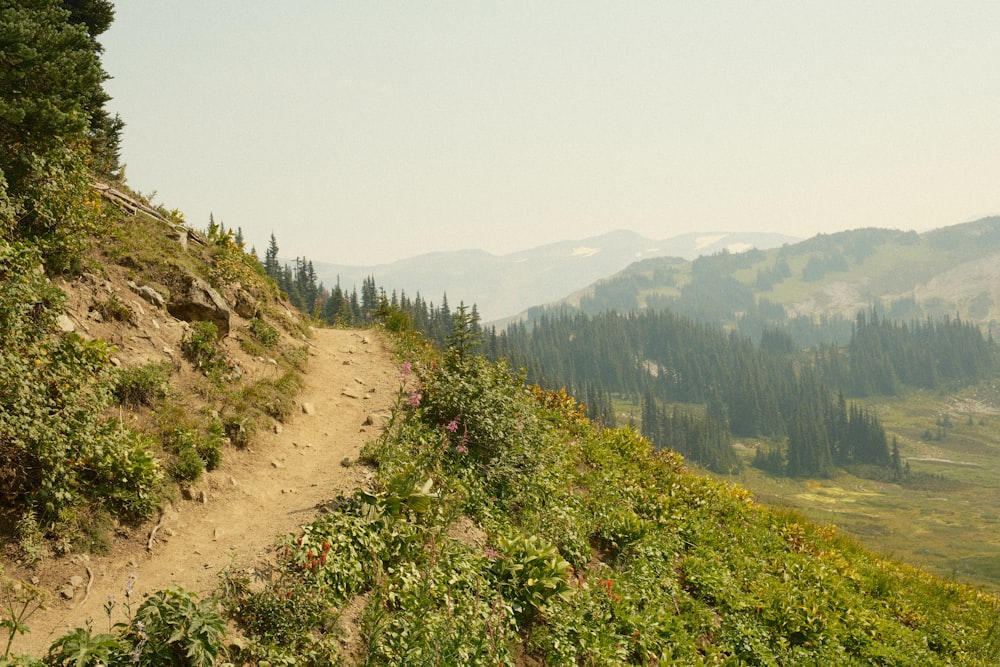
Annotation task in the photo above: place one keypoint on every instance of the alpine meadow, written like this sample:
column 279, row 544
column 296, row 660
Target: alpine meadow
column 778, row 456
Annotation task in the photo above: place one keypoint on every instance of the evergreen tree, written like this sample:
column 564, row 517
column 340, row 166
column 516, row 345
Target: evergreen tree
column 271, row 266
column 465, row 336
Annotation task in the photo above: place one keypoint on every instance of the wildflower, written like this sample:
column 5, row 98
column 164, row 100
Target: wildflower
column 414, row 399
column 491, row 553
column 136, row 655
column 405, row 369
column 461, row 449
column 452, row 426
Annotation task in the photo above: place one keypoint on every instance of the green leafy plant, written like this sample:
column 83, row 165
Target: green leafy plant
column 174, row 627
column 82, row 648
column 200, row 345
column 530, row 573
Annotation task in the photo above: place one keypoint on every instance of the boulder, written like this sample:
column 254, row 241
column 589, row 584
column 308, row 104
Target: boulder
column 244, row 304
column 196, row 301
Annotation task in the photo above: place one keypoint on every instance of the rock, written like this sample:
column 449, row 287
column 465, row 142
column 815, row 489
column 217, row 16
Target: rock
column 203, row 497
column 65, row 324
column 76, row 581
column 152, row 296
column 67, row 592
column 349, row 393
column 198, row 302
column 278, row 428
column 244, row 304
column 308, row 408
column 347, row 462
column 277, row 464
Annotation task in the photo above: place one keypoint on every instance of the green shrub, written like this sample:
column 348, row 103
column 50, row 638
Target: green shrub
column 187, row 465
column 240, row 430
column 266, row 334
column 141, row 385
column 56, row 449
column 115, row 310
column 194, row 452
column 200, row 345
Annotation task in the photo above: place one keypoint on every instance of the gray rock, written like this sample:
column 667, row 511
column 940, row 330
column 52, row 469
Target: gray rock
column 151, row 295
column 198, row 302
column 244, row 304
column 65, row 324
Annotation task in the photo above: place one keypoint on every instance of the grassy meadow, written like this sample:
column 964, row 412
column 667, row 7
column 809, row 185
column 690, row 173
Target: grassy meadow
column 944, row 516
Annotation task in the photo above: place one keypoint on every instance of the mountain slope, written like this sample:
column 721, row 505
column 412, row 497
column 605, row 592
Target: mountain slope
column 948, row 271
column 504, row 285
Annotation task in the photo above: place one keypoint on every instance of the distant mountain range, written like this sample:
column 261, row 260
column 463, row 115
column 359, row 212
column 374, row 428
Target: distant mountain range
column 504, row 285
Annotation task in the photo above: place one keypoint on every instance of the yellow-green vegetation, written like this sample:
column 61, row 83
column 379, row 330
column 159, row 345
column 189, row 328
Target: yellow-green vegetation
column 591, row 548
column 942, row 513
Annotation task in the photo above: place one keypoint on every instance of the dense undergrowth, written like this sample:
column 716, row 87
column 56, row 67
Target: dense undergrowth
column 505, row 528
column 593, row 549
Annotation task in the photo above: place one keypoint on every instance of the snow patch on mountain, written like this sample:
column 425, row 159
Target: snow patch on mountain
column 584, row 251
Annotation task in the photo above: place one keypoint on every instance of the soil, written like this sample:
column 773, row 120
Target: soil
column 234, row 514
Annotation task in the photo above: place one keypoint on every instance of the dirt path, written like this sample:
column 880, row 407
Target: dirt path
column 239, row 509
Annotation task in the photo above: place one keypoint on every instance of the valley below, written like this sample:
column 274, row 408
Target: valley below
column 943, row 516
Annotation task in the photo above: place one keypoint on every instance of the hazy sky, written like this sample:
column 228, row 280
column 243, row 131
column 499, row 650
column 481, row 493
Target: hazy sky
column 364, row 132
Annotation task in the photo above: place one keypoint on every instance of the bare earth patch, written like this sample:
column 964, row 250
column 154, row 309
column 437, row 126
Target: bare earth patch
column 237, row 510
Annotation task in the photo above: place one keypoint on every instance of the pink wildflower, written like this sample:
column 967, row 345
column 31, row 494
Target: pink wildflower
column 461, row 449
column 405, row 369
column 452, row 426
column 414, row 399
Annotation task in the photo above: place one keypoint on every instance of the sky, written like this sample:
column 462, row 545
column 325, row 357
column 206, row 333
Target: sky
column 366, row 132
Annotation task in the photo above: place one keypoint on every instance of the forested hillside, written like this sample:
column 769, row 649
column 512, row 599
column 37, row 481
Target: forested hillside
column 770, row 389
column 814, row 288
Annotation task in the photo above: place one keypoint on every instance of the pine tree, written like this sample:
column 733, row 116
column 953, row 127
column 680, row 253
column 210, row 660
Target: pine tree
column 271, row 266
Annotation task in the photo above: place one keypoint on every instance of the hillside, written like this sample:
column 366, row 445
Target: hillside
column 230, row 516
column 172, row 434
column 946, row 271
